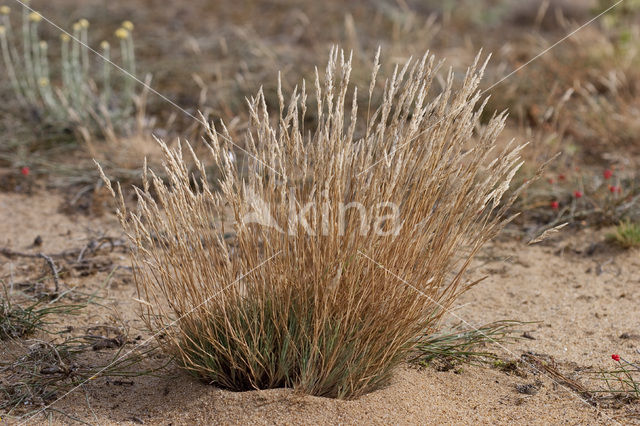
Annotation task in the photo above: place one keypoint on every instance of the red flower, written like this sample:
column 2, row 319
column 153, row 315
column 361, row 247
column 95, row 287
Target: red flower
column 550, row 180
column 25, row 171
column 577, row 194
column 607, row 174
column 613, row 188
column 561, row 177
column 555, row 205
column 615, row 357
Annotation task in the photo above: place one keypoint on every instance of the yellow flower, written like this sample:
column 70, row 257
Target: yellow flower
column 104, row 44
column 35, row 17
column 77, row 26
column 122, row 33
column 65, row 37
column 83, row 23
column 43, row 45
column 127, row 25
column 43, row 82
column 5, row 10
column 2, row 30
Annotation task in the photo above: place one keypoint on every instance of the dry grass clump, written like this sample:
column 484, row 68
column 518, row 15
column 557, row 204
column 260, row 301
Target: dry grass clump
column 348, row 242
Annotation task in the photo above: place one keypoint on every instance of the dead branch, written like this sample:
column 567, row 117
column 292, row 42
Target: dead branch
column 54, row 270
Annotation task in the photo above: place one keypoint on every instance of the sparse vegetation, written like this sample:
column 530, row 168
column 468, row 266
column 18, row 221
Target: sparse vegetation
column 623, row 381
column 37, row 372
column 621, row 384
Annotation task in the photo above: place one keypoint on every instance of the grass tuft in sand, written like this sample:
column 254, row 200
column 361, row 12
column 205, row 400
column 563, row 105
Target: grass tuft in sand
column 346, row 241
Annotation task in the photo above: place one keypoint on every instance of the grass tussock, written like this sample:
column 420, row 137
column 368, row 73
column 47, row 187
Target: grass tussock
column 323, row 254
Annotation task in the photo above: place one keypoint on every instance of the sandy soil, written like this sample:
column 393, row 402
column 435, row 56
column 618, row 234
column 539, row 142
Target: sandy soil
column 583, row 293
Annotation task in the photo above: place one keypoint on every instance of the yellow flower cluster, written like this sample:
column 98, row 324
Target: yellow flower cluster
column 5, row 10
column 35, row 17
column 125, row 30
column 122, row 33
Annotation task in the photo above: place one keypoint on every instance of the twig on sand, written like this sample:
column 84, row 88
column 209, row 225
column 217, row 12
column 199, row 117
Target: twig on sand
column 90, row 247
column 54, row 270
column 549, row 366
column 75, row 256
column 7, row 252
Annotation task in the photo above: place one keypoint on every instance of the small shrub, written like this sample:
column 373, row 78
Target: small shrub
column 104, row 107
column 626, row 234
column 299, row 287
column 600, row 197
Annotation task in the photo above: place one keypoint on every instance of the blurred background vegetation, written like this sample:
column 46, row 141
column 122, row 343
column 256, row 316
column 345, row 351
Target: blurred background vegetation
column 580, row 98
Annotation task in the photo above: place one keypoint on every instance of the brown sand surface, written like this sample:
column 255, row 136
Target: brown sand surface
column 583, row 293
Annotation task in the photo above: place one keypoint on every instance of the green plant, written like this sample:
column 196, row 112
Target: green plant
column 304, row 290
column 626, row 234
column 105, row 107
column 461, row 344
column 623, row 382
column 18, row 321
